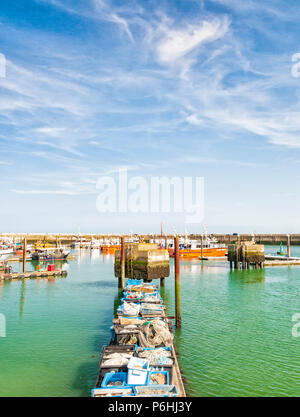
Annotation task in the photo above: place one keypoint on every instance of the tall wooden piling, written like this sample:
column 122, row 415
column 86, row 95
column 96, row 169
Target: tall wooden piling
column 24, row 254
column 122, row 264
column 202, row 247
column 162, row 280
column 288, row 245
column 177, row 283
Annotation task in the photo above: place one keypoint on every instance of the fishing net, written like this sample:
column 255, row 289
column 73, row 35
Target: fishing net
column 155, row 333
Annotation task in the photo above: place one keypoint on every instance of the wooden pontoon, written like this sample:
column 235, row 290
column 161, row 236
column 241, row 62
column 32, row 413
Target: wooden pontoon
column 33, row 274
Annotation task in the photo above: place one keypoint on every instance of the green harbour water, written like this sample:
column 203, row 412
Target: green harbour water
column 236, row 337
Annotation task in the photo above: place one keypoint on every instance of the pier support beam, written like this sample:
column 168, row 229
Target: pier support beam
column 243, row 257
column 162, row 282
column 177, row 283
column 24, row 254
column 237, row 258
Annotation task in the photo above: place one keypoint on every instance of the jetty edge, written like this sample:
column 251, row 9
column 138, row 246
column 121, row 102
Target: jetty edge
column 140, row 360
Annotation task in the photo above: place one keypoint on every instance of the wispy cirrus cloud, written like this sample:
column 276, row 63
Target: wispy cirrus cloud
column 176, row 43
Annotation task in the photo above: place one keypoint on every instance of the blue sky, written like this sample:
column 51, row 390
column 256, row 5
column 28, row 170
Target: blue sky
column 174, row 88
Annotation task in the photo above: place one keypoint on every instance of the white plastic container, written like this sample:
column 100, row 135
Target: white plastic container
column 138, row 371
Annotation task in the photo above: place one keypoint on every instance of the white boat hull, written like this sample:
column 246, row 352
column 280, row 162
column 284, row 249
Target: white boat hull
column 5, row 254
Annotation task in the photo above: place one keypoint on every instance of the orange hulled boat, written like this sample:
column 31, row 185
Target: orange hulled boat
column 110, row 249
column 191, row 248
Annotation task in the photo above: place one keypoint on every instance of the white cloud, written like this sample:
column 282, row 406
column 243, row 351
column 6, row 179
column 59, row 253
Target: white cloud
column 51, row 131
column 106, row 12
column 6, row 163
column 121, row 21
column 194, row 120
column 178, row 42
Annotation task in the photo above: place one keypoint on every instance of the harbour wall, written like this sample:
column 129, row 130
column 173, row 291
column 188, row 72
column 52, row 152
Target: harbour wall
column 271, row 239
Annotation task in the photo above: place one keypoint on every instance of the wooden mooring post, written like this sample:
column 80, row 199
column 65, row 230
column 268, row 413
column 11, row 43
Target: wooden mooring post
column 162, row 280
column 202, row 248
column 24, row 254
column 122, row 277
column 288, row 245
column 177, row 282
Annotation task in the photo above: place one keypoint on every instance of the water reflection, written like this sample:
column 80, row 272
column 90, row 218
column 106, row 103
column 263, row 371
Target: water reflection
column 22, row 299
column 247, row 276
column 95, row 255
column 199, row 267
column 117, row 301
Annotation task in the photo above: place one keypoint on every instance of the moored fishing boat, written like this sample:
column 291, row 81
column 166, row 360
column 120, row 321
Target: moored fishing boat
column 109, row 246
column 45, row 254
column 193, row 248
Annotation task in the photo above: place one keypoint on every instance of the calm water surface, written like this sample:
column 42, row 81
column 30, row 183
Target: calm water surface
column 236, row 337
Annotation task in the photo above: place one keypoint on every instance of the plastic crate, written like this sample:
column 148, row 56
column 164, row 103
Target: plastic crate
column 51, row 268
column 131, row 300
column 116, row 349
column 106, row 350
column 123, row 343
column 165, row 373
column 133, row 282
column 120, row 337
column 171, row 390
column 147, row 311
column 112, row 392
column 119, row 332
column 127, row 294
column 113, row 368
column 111, row 377
column 138, row 371
column 141, row 349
